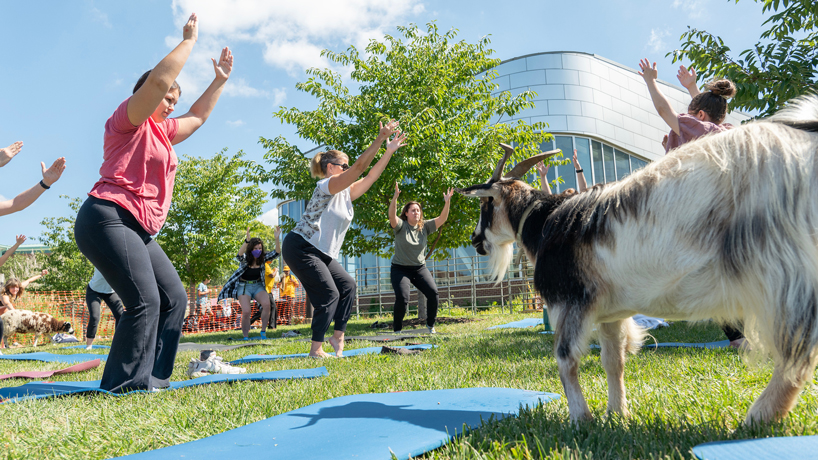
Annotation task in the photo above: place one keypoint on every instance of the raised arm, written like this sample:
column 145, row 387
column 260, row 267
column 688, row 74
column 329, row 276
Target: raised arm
column 348, row 177
column 147, row 98
column 7, row 302
column 243, row 248
column 543, row 170
column 362, row 185
column 20, row 240
column 34, row 278
column 660, row 102
column 581, row 184
column 200, row 110
column 687, row 78
column 393, row 208
column 277, row 236
column 444, row 214
column 23, row 200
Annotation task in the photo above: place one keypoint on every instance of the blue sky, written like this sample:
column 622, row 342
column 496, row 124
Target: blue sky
column 68, row 65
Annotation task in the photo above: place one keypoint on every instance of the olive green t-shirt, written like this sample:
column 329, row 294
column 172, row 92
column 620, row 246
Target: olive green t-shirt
column 410, row 243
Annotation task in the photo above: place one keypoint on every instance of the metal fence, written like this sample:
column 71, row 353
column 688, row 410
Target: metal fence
column 462, row 282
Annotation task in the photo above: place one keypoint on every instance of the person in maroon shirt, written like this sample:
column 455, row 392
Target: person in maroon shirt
column 129, row 203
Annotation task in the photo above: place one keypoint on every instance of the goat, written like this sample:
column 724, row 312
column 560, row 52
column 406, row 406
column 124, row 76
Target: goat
column 724, row 227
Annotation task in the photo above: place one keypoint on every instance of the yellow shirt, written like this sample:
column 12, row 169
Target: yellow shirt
column 289, row 283
column 270, row 281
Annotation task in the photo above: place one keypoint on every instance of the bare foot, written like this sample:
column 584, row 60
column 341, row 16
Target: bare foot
column 338, row 345
column 320, row 354
column 8, row 153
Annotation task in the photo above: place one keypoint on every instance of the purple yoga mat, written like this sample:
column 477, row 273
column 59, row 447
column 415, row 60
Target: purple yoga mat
column 43, row 374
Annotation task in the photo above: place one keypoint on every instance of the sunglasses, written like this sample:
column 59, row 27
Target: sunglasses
column 343, row 166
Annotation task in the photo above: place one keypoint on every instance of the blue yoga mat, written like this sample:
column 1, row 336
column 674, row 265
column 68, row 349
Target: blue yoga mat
column 37, row 390
column 788, row 447
column 92, row 346
column 364, row 427
column 54, row 358
column 523, row 323
column 710, row 345
column 347, row 353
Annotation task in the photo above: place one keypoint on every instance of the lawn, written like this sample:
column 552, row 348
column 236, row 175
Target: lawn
column 678, row 397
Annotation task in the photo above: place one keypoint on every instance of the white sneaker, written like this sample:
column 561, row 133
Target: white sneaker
column 432, row 330
column 89, row 347
column 211, row 365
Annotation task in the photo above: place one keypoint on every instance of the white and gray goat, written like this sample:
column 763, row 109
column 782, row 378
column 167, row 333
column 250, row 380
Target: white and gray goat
column 725, row 227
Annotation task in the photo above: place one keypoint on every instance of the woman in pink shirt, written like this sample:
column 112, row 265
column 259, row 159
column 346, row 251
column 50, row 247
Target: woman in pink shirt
column 129, row 203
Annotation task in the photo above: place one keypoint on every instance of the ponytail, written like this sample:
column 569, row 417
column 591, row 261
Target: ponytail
column 318, row 164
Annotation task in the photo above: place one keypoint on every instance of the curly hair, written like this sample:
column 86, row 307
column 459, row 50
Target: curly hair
column 248, row 255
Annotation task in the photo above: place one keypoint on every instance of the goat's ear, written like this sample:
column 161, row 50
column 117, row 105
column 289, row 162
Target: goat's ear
column 521, row 168
column 479, row 190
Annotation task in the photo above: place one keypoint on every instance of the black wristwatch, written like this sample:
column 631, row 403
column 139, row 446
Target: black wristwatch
column 579, row 171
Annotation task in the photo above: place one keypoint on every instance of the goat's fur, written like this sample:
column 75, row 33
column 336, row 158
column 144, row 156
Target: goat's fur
column 24, row 321
column 723, row 227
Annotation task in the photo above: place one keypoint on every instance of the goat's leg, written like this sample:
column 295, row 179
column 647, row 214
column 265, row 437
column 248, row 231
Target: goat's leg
column 780, row 395
column 613, row 340
column 36, row 338
column 570, row 343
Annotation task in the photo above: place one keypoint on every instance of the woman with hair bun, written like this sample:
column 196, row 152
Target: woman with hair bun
column 705, row 113
column 311, row 249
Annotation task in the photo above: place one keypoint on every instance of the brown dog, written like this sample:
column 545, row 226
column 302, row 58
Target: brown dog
column 24, row 321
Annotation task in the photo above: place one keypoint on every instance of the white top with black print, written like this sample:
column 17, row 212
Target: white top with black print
column 326, row 219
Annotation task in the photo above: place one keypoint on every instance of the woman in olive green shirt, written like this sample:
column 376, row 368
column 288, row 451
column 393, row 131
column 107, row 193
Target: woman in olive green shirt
column 409, row 260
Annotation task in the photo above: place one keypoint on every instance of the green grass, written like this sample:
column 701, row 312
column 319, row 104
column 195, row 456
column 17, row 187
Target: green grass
column 678, row 398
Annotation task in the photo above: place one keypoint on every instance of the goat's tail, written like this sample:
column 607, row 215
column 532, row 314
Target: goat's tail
column 634, row 335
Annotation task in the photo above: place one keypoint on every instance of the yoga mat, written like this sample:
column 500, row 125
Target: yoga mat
column 96, row 347
column 523, row 323
column 787, row 447
column 364, row 427
column 253, row 338
column 53, row 358
column 192, row 346
column 347, row 354
column 38, row 390
column 710, row 345
column 377, row 338
column 43, row 374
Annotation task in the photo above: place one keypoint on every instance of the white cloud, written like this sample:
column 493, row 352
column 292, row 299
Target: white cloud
column 2, row 198
column 269, row 218
column 99, row 16
column 279, row 96
column 237, row 86
column 292, row 33
column 235, row 124
column 656, row 42
column 694, row 8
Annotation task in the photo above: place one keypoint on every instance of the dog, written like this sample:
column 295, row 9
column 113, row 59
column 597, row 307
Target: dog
column 24, row 321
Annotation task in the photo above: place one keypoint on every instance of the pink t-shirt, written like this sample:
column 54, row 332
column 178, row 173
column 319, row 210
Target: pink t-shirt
column 138, row 167
column 691, row 128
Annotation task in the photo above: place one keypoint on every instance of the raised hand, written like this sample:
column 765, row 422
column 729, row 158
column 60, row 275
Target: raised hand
column 387, row 130
column 686, row 77
column 247, row 235
column 53, row 173
column 44, row 272
column 397, row 142
column 448, row 195
column 225, row 64
column 397, row 190
column 191, row 29
column 576, row 162
column 21, row 239
column 541, row 168
column 7, row 153
column 648, row 72
column 277, row 232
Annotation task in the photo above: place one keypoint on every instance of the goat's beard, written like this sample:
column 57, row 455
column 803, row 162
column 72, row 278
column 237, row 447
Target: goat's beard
column 500, row 256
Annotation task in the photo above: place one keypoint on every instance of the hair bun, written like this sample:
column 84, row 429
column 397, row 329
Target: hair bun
column 724, row 88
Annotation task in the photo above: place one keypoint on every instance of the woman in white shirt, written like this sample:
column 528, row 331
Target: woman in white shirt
column 311, row 249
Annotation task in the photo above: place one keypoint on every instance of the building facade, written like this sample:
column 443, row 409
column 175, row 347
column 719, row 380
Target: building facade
column 591, row 104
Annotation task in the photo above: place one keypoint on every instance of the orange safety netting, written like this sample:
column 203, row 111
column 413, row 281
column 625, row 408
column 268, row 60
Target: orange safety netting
column 70, row 306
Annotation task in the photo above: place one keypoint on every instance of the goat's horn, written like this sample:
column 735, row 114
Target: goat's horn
column 498, row 171
column 521, row 168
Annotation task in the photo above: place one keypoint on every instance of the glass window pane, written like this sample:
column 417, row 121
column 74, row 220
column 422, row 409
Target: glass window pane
column 566, row 144
column 599, row 170
column 623, row 165
column 637, row 163
column 608, row 156
column 583, row 147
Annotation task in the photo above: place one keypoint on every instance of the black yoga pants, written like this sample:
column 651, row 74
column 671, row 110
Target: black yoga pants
column 421, row 278
column 147, row 336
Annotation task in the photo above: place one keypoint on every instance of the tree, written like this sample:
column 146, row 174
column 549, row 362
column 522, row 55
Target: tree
column 214, row 199
column 440, row 90
column 781, row 66
column 68, row 269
